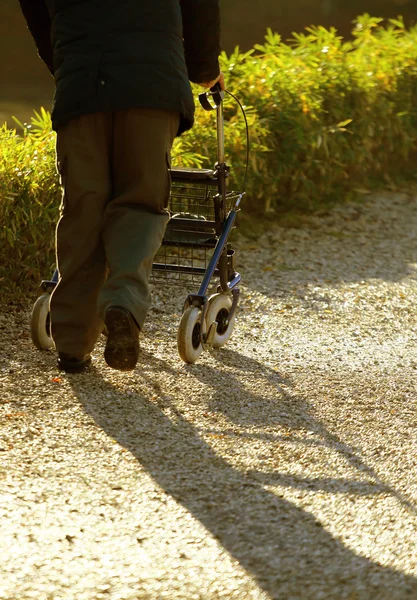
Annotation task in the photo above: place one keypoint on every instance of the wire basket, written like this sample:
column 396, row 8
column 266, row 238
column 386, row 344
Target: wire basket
column 197, row 200
column 191, row 235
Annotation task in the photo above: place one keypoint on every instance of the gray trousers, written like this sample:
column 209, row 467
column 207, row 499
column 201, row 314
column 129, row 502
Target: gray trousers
column 116, row 184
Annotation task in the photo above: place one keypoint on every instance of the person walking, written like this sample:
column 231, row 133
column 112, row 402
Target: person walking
column 122, row 72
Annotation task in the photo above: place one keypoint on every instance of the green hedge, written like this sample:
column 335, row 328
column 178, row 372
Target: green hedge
column 326, row 117
column 29, row 201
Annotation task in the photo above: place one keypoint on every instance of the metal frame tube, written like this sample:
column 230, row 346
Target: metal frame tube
column 220, row 134
column 217, row 253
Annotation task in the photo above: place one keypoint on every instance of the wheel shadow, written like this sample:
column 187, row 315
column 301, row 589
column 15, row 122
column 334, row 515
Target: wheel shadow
column 291, row 412
column 284, row 547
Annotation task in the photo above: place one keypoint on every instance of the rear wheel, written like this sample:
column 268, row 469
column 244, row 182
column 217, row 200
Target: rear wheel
column 40, row 323
column 189, row 335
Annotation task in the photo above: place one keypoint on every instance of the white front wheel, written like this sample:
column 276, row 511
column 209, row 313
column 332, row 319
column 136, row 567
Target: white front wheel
column 218, row 311
column 189, row 335
column 40, row 323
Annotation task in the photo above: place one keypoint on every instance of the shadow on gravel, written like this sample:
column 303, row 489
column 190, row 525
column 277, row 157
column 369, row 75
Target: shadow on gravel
column 283, row 547
column 292, row 412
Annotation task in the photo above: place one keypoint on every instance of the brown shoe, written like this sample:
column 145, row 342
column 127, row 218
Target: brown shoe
column 122, row 347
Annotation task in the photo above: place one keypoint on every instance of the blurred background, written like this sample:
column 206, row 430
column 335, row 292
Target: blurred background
column 25, row 84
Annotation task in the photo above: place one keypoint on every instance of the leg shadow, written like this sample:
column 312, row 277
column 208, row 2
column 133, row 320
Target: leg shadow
column 285, row 548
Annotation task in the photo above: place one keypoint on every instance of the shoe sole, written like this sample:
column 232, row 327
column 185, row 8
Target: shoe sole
column 122, row 347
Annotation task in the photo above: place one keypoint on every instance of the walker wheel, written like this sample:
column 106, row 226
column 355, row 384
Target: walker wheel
column 40, row 323
column 219, row 306
column 189, row 335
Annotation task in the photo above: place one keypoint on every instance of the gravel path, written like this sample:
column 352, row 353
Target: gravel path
column 281, row 467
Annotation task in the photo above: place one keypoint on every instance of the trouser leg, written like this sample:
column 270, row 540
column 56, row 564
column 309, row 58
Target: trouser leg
column 136, row 217
column 83, row 157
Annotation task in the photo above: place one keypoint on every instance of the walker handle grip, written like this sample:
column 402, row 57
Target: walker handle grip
column 216, row 94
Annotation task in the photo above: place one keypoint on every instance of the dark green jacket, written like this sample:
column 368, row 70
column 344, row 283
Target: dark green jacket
column 108, row 55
